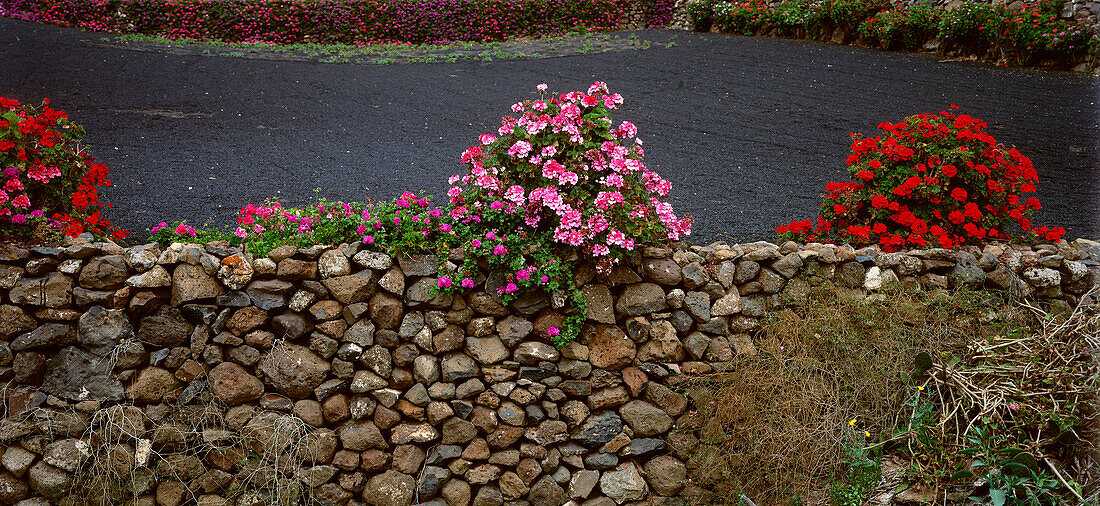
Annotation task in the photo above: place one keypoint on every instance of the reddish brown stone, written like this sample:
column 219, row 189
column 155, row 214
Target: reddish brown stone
column 291, row 270
column 609, row 347
column 335, row 408
column 635, row 379
column 246, row 319
column 325, row 310
column 374, row 460
column 233, row 385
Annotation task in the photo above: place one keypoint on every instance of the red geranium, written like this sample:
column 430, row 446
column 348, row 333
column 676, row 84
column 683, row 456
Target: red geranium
column 917, row 163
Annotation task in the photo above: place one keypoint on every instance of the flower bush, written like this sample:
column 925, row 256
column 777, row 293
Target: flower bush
column 701, row 13
column 744, row 17
column 48, row 181
column 905, row 28
column 973, row 25
column 339, row 21
column 557, row 179
column 794, row 17
column 930, row 179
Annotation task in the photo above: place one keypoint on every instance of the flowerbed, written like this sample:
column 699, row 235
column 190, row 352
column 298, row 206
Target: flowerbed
column 48, row 181
column 336, row 21
column 1034, row 34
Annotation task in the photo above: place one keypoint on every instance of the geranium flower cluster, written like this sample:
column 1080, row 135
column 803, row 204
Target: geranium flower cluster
column 562, row 167
column 338, row 21
column 45, row 177
column 930, row 179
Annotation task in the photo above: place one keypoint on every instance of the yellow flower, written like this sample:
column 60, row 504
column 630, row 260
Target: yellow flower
column 852, row 422
column 920, row 388
column 866, row 433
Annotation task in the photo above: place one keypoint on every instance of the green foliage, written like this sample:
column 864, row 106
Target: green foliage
column 849, row 13
column 702, row 14
column 906, row 28
column 972, row 24
column 796, row 16
column 863, row 469
column 1013, row 474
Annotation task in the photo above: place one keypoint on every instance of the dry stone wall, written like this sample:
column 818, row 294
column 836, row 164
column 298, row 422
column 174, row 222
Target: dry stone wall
column 332, row 375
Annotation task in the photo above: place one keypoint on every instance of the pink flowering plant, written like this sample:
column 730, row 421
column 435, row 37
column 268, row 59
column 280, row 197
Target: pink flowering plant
column 559, row 179
column 408, row 224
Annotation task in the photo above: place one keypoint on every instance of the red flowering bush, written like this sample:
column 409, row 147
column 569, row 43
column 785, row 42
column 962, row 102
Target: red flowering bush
column 930, row 179
column 46, row 179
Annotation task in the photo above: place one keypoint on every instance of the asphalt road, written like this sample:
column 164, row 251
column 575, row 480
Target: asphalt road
column 748, row 130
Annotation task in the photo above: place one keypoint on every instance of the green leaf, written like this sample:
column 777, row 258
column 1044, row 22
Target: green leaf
column 998, row 496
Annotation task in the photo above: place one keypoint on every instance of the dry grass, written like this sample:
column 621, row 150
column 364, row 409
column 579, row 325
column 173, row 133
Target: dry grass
column 834, row 384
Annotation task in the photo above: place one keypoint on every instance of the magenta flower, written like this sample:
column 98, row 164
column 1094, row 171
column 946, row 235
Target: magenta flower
column 553, row 331
column 467, row 283
column 443, row 282
column 500, row 250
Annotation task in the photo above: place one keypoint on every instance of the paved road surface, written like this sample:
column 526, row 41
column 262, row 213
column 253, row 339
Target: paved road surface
column 747, row 129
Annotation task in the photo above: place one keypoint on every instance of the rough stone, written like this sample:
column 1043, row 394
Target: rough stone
column 410, row 433
column 641, row 298
column 351, row 289
column 600, row 306
column 662, row 271
column 233, row 384
column 152, row 385
column 13, row 321
column 662, row 346
column 727, row 305
column 624, row 484
column 546, row 492
column 48, row 480
column 191, row 282
column 390, row 488
column 100, row 330
column 77, row 375
column 166, row 327
column 609, row 347
column 598, row 429
column 386, row 311
column 50, row 334
column 645, row 419
column 486, row 350
column 52, row 290
column 293, row 370
column 104, row 273
column 533, row 352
